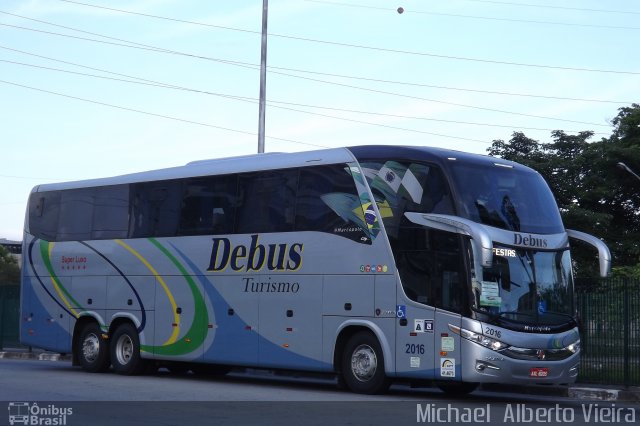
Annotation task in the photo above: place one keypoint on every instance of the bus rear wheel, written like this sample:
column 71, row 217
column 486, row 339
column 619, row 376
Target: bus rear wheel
column 363, row 365
column 125, row 351
column 92, row 350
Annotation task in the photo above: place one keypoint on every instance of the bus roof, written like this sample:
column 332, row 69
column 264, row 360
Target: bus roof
column 257, row 162
column 438, row 156
column 245, row 163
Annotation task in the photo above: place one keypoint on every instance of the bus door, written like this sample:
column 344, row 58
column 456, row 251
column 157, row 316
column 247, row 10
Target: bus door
column 448, row 292
column 447, row 347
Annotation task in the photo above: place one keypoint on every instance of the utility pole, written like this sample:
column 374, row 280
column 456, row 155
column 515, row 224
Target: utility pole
column 263, row 77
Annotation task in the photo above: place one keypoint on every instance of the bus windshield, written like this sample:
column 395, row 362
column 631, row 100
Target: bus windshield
column 527, row 289
column 507, row 198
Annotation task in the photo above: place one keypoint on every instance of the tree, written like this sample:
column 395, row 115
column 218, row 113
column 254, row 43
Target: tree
column 9, row 271
column 593, row 195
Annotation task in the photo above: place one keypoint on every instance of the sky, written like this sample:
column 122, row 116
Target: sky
column 98, row 88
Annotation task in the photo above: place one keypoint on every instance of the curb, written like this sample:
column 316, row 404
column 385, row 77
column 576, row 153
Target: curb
column 600, row 394
column 40, row 356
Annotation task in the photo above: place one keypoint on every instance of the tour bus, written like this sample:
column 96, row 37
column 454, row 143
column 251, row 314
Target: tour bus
column 372, row 263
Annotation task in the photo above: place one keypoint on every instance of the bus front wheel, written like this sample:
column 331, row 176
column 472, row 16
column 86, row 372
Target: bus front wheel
column 92, row 350
column 125, row 351
column 363, row 365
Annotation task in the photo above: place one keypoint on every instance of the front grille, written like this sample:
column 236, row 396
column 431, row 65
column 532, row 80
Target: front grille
column 537, row 354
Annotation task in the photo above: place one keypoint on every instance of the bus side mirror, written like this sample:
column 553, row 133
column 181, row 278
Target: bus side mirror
column 604, row 255
column 479, row 236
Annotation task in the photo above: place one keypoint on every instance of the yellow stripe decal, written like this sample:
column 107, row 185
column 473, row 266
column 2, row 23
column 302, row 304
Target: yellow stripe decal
column 176, row 317
column 56, row 285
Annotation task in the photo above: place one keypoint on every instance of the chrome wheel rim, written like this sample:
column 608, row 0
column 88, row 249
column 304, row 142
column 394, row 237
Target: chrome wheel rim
column 91, row 347
column 364, row 363
column 124, row 349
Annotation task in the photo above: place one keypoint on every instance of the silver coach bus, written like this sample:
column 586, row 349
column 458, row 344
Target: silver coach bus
column 375, row 263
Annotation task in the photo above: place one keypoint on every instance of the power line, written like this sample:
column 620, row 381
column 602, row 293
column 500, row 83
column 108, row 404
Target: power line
column 581, row 9
column 420, row 118
column 439, row 101
column 273, row 103
column 411, row 97
column 433, row 86
column 244, row 65
column 379, row 49
column 490, row 18
column 154, row 114
column 157, row 49
column 253, row 100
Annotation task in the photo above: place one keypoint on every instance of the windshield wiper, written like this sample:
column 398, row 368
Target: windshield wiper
column 560, row 314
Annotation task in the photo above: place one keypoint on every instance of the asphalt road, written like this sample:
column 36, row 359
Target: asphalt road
column 54, row 392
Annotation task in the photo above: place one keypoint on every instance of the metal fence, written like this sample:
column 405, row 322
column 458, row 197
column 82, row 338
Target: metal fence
column 9, row 316
column 610, row 328
column 610, row 331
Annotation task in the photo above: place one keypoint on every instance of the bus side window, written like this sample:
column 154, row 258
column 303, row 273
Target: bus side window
column 437, row 191
column 313, row 213
column 155, row 209
column 111, row 213
column 268, row 201
column 76, row 214
column 44, row 210
column 208, row 205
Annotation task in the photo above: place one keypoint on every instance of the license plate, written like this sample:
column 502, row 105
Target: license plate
column 539, row 372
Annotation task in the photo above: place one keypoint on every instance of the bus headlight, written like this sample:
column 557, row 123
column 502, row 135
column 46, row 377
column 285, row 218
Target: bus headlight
column 574, row 347
column 480, row 339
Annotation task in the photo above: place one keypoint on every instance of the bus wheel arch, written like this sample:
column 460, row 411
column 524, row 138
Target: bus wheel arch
column 360, row 361
column 90, row 346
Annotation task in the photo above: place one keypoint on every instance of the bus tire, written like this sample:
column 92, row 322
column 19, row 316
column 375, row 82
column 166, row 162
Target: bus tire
column 363, row 365
column 125, row 351
column 457, row 388
column 92, row 349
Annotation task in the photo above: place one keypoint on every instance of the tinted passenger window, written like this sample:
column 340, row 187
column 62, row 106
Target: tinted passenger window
column 155, row 209
column 328, row 202
column 267, row 201
column 111, row 212
column 44, row 210
column 208, row 205
column 76, row 214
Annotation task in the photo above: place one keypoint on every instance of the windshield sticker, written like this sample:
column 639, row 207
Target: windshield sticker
column 542, row 306
column 490, row 294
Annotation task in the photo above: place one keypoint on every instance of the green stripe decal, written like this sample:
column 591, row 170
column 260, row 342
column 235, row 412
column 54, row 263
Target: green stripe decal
column 44, row 252
column 197, row 333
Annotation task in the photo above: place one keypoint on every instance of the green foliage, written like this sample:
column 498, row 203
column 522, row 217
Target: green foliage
column 9, row 271
column 593, row 194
